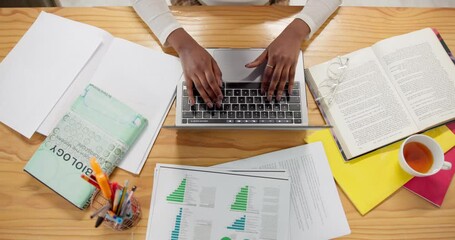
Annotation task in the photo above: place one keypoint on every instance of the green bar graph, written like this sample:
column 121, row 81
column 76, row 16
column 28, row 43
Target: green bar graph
column 241, row 200
column 179, row 194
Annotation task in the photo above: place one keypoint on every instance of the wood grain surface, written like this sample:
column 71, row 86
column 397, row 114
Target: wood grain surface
column 29, row 210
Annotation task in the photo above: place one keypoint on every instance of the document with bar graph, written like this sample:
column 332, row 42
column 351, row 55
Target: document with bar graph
column 205, row 204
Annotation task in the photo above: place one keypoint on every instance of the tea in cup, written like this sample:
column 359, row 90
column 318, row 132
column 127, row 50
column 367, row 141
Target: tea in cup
column 422, row 156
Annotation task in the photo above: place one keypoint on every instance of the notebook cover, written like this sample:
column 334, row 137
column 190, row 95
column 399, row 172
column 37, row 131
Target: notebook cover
column 371, row 178
column 97, row 125
column 434, row 188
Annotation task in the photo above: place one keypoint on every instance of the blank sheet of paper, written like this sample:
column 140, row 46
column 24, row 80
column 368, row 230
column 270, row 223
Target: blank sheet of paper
column 145, row 80
column 39, row 69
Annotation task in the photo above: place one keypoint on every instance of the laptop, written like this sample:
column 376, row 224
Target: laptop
column 243, row 105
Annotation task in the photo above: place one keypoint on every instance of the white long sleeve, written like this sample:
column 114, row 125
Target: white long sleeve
column 156, row 14
column 316, row 12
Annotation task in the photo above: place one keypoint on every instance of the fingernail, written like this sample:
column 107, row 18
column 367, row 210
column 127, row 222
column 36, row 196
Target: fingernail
column 278, row 97
column 210, row 105
column 220, row 98
column 218, row 104
column 269, row 98
column 191, row 102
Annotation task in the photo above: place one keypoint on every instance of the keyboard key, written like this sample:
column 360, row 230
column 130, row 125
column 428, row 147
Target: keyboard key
column 245, row 92
column 184, row 120
column 203, row 107
column 266, row 120
column 248, row 115
column 223, row 114
column 249, row 100
column 188, row 114
column 210, row 121
column 280, row 114
column 215, row 114
column 294, row 107
column 231, row 114
column 198, row 115
column 294, row 100
column 297, row 120
column 244, row 107
column 276, row 107
column 185, row 92
column 257, row 99
column 283, row 120
column 260, row 107
column 272, row 114
column 256, row 114
column 253, row 92
column 237, row 92
column 289, row 115
column 251, row 107
column 199, row 100
column 226, row 107
column 268, row 107
column 229, row 92
column 264, row 115
column 284, row 107
column 235, row 107
column 239, row 114
column 225, row 100
column 206, row 115
column 297, row 114
column 295, row 92
column 233, row 99
column 241, row 100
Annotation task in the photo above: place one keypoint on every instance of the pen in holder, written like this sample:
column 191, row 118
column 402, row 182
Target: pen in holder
column 129, row 219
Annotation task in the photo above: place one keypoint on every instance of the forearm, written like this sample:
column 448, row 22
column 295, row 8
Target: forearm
column 316, row 12
column 156, row 14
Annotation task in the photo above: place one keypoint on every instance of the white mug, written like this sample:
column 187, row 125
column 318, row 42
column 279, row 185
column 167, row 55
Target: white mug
column 436, row 151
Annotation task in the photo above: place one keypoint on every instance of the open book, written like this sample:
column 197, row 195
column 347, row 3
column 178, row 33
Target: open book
column 383, row 93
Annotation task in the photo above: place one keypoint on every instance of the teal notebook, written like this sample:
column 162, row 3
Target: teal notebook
column 97, row 125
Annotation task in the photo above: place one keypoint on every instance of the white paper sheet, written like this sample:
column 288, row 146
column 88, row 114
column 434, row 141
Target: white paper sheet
column 39, row 69
column 316, row 210
column 204, row 203
column 145, row 80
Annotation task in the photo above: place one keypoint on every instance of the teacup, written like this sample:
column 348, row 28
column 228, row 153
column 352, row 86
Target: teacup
column 422, row 156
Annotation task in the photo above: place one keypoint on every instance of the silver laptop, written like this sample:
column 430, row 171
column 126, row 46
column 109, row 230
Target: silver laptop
column 243, row 105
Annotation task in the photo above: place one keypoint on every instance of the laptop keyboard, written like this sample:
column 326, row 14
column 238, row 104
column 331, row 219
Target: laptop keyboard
column 243, row 103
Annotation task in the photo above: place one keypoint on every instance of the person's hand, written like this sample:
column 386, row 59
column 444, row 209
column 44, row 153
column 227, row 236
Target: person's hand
column 199, row 68
column 281, row 57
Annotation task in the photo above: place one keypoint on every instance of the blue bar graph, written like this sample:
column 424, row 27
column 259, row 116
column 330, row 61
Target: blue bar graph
column 178, row 220
column 239, row 224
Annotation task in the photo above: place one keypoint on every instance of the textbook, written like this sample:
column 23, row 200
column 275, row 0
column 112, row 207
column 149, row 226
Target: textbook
column 381, row 94
column 97, row 125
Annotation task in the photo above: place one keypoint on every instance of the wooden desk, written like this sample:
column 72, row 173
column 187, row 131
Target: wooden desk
column 28, row 210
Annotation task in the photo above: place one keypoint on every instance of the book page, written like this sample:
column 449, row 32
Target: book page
column 366, row 111
column 423, row 75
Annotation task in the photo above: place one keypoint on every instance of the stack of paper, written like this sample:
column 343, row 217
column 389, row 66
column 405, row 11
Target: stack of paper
column 316, row 210
column 57, row 58
column 205, row 203
column 246, row 199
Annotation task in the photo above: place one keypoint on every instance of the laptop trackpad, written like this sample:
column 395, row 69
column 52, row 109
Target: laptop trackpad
column 232, row 64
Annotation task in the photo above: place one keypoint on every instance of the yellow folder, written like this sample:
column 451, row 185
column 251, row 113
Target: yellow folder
column 369, row 179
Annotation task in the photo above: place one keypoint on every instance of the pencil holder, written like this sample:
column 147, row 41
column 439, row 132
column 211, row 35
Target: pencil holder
column 119, row 224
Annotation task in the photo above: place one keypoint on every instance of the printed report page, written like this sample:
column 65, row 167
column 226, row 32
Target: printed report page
column 206, row 203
